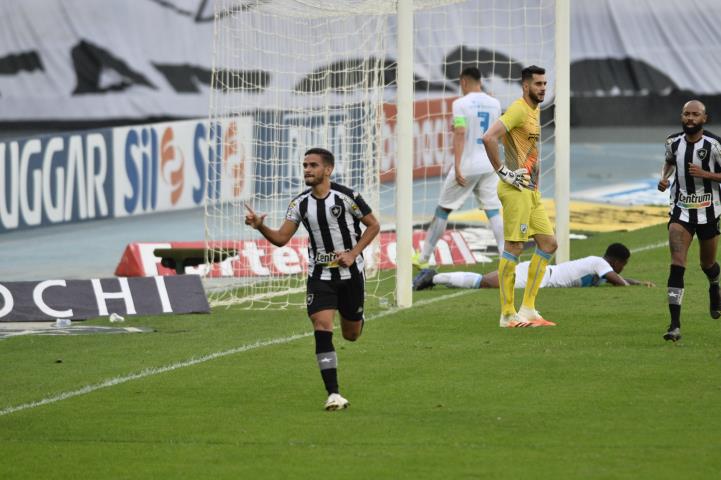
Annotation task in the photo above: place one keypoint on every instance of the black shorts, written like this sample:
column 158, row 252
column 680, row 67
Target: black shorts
column 703, row 231
column 346, row 296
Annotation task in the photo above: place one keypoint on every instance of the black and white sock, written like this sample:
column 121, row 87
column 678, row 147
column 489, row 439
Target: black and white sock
column 675, row 294
column 327, row 360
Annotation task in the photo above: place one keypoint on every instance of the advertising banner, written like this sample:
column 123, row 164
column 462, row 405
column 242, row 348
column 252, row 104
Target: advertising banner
column 432, row 139
column 109, row 173
column 259, row 258
column 82, row 299
column 55, row 179
column 165, row 166
column 282, row 137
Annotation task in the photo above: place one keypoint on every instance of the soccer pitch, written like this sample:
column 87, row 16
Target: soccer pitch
column 436, row 391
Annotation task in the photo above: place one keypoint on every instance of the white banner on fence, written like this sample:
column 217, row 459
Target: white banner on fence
column 73, row 60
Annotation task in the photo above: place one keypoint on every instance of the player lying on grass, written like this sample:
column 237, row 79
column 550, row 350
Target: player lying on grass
column 584, row 272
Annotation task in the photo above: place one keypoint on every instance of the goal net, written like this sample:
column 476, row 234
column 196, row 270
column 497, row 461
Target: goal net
column 289, row 75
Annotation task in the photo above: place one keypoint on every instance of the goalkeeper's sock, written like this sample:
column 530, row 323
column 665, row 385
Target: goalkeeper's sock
column 435, row 231
column 458, row 279
column 327, row 360
column 495, row 221
column 536, row 271
column 506, row 282
column 675, row 294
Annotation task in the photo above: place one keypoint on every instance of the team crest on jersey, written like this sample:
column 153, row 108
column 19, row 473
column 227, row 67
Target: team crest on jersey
column 524, row 228
column 309, row 299
column 336, row 210
column 701, row 153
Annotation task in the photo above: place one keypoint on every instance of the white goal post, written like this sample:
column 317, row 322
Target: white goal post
column 373, row 81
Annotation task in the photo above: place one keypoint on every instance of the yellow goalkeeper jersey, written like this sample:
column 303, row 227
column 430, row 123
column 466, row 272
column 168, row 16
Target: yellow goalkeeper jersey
column 523, row 129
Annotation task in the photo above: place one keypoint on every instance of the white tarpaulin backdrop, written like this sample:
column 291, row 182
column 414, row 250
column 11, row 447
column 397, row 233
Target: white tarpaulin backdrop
column 98, row 60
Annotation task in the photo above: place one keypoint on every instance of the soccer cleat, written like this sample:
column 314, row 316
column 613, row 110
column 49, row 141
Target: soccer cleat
column 532, row 316
column 424, row 279
column 512, row 320
column 336, row 402
column 417, row 262
column 714, row 301
column 673, row 334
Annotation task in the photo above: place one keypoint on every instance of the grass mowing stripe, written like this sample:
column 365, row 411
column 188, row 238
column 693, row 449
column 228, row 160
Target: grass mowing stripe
column 148, row 372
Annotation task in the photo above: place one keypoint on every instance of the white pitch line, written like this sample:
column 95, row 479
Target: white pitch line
column 149, row 372
column 650, row 247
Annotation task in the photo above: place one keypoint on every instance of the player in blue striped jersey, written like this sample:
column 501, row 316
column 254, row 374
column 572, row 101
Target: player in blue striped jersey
column 332, row 214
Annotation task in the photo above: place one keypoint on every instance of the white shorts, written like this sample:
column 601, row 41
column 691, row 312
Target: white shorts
column 483, row 186
column 522, row 276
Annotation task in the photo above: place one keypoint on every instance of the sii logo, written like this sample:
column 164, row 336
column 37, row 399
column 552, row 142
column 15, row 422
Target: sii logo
column 172, row 162
column 234, row 159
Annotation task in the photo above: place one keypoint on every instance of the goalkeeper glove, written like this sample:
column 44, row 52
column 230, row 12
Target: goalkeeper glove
column 517, row 178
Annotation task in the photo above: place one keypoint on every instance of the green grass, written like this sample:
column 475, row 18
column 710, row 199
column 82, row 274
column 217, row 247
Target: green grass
column 437, row 391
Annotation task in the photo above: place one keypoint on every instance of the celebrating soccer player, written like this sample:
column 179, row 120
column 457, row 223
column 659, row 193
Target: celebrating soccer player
column 332, row 215
column 523, row 212
column 473, row 113
column 695, row 157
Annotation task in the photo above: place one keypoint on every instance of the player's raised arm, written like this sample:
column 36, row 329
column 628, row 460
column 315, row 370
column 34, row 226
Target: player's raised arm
column 277, row 237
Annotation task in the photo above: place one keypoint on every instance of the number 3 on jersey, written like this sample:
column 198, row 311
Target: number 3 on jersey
column 483, row 119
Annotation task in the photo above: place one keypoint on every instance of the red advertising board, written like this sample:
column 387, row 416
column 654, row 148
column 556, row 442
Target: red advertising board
column 432, row 137
column 259, row 258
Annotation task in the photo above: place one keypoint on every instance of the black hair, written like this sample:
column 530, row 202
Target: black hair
column 326, row 155
column 528, row 72
column 472, row 72
column 618, row 251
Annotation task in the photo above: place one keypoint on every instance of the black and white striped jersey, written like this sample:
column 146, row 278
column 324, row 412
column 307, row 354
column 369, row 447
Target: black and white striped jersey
column 333, row 225
column 694, row 200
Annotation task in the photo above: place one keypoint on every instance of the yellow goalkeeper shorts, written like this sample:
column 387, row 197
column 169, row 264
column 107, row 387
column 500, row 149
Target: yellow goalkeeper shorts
column 523, row 213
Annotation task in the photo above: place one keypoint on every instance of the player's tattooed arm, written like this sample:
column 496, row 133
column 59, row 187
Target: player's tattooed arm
column 666, row 172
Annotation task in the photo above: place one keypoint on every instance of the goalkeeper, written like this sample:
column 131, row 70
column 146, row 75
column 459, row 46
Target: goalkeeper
column 588, row 271
column 523, row 212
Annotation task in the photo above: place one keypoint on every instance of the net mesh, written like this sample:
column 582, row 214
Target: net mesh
column 290, row 75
